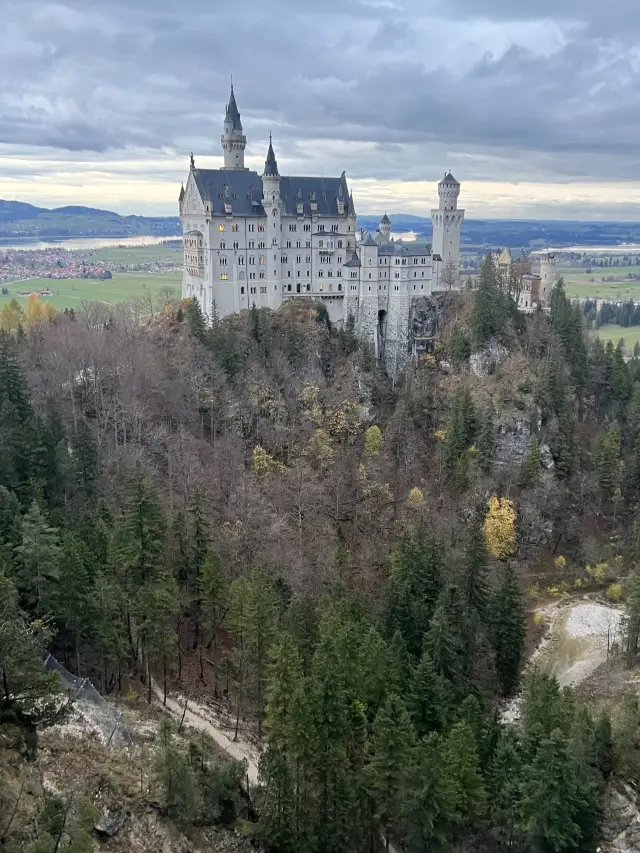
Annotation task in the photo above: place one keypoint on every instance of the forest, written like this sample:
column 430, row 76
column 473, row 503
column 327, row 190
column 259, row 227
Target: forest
column 254, row 510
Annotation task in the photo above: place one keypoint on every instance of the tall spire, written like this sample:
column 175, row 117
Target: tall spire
column 270, row 164
column 233, row 114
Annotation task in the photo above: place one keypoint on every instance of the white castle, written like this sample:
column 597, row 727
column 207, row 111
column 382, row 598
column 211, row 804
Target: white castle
column 253, row 239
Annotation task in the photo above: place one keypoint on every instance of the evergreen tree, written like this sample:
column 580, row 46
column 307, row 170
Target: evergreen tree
column 505, row 787
column 415, row 584
column 486, row 444
column 463, row 766
column 632, row 616
column 141, row 531
column 375, row 669
column 488, row 318
column 389, row 769
column 212, row 601
column 474, row 581
column 607, row 462
column 196, row 321
column 84, row 452
column 75, row 601
column 444, row 641
column 429, row 700
column 175, row 775
column 38, row 562
column 260, row 628
column 550, row 796
column 530, row 470
column 432, row 798
column 461, row 430
column 506, row 618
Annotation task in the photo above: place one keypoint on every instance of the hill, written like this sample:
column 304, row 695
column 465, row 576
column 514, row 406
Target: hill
column 26, row 221
column 519, row 233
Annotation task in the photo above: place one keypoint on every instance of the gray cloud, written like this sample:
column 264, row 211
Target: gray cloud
column 535, row 90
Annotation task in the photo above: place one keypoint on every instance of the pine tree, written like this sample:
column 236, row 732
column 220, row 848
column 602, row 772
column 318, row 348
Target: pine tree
column 530, row 470
column 432, row 798
column 505, row 787
column 196, row 321
column 607, row 462
column 415, row 584
column 84, row 453
column 141, row 531
column 375, row 670
column 389, row 768
column 75, row 601
column 632, row 616
column 175, row 775
column 212, row 604
column 429, row 698
column 156, row 607
column 461, row 430
column 260, row 629
column 474, row 581
column 488, row 319
column 506, row 618
column 38, row 562
column 550, row 796
column 463, row 765
column 444, row 641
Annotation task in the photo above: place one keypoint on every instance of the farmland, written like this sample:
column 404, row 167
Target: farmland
column 591, row 285
column 631, row 335
column 123, row 287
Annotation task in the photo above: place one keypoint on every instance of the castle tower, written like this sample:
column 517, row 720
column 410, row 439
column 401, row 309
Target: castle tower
column 233, row 139
column 368, row 316
column 271, row 201
column 396, row 323
column 385, row 228
column 447, row 221
column 548, row 277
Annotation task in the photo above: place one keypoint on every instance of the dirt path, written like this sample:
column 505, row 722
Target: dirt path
column 202, row 719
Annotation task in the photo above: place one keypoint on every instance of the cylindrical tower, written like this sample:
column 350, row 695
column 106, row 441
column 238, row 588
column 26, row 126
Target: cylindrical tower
column 233, row 139
column 447, row 221
column 385, row 227
column 548, row 277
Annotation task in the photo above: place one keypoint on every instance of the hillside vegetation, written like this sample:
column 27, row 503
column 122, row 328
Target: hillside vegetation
column 254, row 514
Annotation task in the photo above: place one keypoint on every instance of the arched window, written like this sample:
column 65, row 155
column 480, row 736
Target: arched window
column 221, row 226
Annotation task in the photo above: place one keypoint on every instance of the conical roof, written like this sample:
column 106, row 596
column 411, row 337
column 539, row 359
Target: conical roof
column 385, row 220
column 233, row 114
column 449, row 179
column 271, row 164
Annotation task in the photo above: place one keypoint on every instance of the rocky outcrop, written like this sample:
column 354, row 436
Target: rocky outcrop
column 484, row 362
column 513, row 440
column 621, row 826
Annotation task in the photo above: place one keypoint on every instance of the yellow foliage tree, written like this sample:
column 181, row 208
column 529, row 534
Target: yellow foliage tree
column 415, row 499
column 263, row 463
column 500, row 528
column 372, row 441
column 49, row 312
column 34, row 310
column 11, row 316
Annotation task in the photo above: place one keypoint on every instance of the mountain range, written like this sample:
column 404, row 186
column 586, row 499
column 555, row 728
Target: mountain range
column 26, row 221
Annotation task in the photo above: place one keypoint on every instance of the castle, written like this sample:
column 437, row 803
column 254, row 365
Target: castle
column 530, row 290
column 253, row 239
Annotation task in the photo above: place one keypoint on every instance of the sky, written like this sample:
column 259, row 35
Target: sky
column 533, row 104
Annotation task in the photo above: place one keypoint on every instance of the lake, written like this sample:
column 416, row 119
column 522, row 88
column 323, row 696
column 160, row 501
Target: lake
column 82, row 243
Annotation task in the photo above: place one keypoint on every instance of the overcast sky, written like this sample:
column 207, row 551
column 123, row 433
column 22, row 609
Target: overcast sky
column 534, row 104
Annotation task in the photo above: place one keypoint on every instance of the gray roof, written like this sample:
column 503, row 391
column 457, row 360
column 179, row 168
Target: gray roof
column 326, row 192
column 354, row 261
column 400, row 249
column 449, row 179
column 385, row 219
column 233, row 115
column 270, row 164
column 368, row 240
column 245, row 187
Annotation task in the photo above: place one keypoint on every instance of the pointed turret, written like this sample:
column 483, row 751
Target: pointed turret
column 233, row 113
column 271, row 164
column 233, row 139
column 385, row 227
column 181, row 197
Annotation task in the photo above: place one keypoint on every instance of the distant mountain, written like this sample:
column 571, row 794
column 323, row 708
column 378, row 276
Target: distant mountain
column 25, row 221
column 518, row 233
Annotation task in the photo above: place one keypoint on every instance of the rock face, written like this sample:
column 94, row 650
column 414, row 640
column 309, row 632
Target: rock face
column 484, row 362
column 512, row 443
column 546, row 459
column 110, row 823
column 621, row 826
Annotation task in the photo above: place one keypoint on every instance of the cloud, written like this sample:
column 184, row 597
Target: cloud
column 393, row 91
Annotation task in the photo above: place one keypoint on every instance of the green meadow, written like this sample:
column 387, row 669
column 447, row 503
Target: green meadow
column 123, row 287
column 611, row 332
column 579, row 283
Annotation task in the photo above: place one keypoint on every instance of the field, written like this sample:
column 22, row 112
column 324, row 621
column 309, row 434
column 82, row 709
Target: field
column 591, row 285
column 123, row 287
column 138, row 254
column 610, row 332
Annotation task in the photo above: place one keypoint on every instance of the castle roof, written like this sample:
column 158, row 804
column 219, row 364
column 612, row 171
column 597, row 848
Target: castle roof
column 449, row 179
column 354, row 261
column 270, row 165
column 385, row 220
column 368, row 240
column 245, row 188
column 233, row 114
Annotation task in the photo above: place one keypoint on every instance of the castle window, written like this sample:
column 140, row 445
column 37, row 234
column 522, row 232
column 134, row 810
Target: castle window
column 308, row 287
column 223, row 276
column 320, row 273
column 261, row 244
column 321, row 243
column 293, row 228
column 261, row 273
column 223, row 245
column 253, row 290
column 241, row 275
column 308, row 259
column 221, row 226
column 307, row 228
column 252, row 227
column 234, row 227
column 261, row 259
column 397, row 275
column 289, row 288
column 320, row 228
column 252, row 261
column 339, row 287
column 242, row 290
column 330, row 273
column 396, row 287
column 252, row 275
column 288, row 273
column 235, row 245
column 275, row 212
column 288, row 244
column 334, row 227
column 263, row 290
column 298, row 244
column 223, row 262
column 260, row 227
column 322, row 287
column 415, row 275
column 241, row 260
column 252, row 244
column 339, row 244
column 369, row 277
